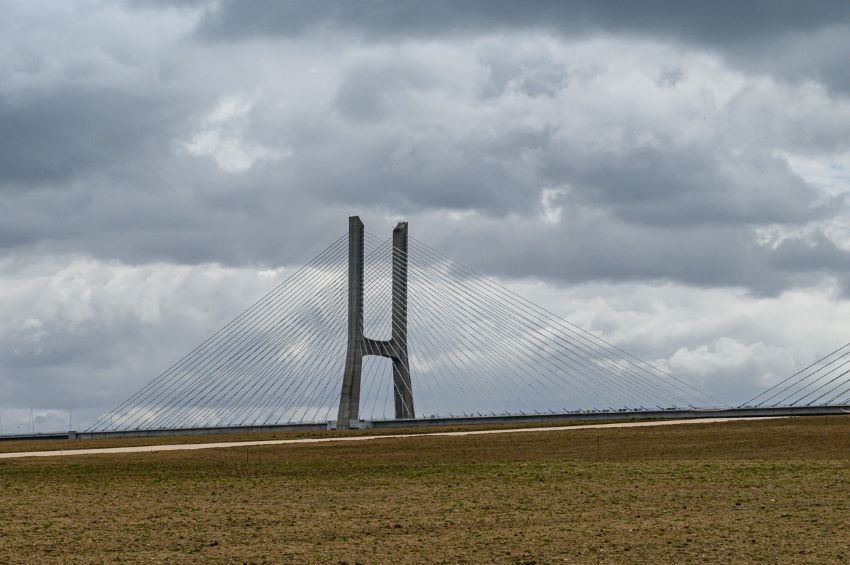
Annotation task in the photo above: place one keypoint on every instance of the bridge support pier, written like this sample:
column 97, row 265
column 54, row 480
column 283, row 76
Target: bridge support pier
column 358, row 345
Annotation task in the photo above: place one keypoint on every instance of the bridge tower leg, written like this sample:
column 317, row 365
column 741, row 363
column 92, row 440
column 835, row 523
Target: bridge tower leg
column 349, row 401
column 359, row 345
column 401, row 367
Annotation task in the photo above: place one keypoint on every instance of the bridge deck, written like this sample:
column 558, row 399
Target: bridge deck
column 742, row 412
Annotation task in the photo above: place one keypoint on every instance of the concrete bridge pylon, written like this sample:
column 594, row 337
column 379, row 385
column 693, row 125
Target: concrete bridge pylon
column 359, row 345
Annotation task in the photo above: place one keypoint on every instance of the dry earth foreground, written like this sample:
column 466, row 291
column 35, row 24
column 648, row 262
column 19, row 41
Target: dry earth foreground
column 773, row 491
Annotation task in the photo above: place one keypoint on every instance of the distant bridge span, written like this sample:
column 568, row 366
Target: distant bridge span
column 370, row 325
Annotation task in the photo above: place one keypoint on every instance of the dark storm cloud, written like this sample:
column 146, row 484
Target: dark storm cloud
column 806, row 255
column 726, row 21
column 180, row 221
column 809, row 35
column 594, row 246
column 668, row 184
column 55, row 136
column 365, row 92
column 156, row 158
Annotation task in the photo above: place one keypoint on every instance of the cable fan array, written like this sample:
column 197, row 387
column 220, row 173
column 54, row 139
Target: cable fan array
column 826, row 382
column 475, row 349
column 275, row 362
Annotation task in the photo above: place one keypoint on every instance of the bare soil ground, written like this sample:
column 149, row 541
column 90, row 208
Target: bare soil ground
column 772, row 491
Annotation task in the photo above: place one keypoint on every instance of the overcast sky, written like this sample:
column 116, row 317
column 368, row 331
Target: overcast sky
column 669, row 175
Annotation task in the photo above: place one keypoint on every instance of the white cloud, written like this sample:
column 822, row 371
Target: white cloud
column 83, row 334
column 549, row 202
column 725, row 341
column 222, row 136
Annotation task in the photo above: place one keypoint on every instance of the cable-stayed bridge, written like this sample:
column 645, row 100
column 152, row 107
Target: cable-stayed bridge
column 826, row 382
column 376, row 331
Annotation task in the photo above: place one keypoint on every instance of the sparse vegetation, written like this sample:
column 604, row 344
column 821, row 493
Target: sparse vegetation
column 770, row 491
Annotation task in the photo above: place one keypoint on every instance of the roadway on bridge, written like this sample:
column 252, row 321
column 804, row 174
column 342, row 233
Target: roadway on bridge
column 221, row 445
